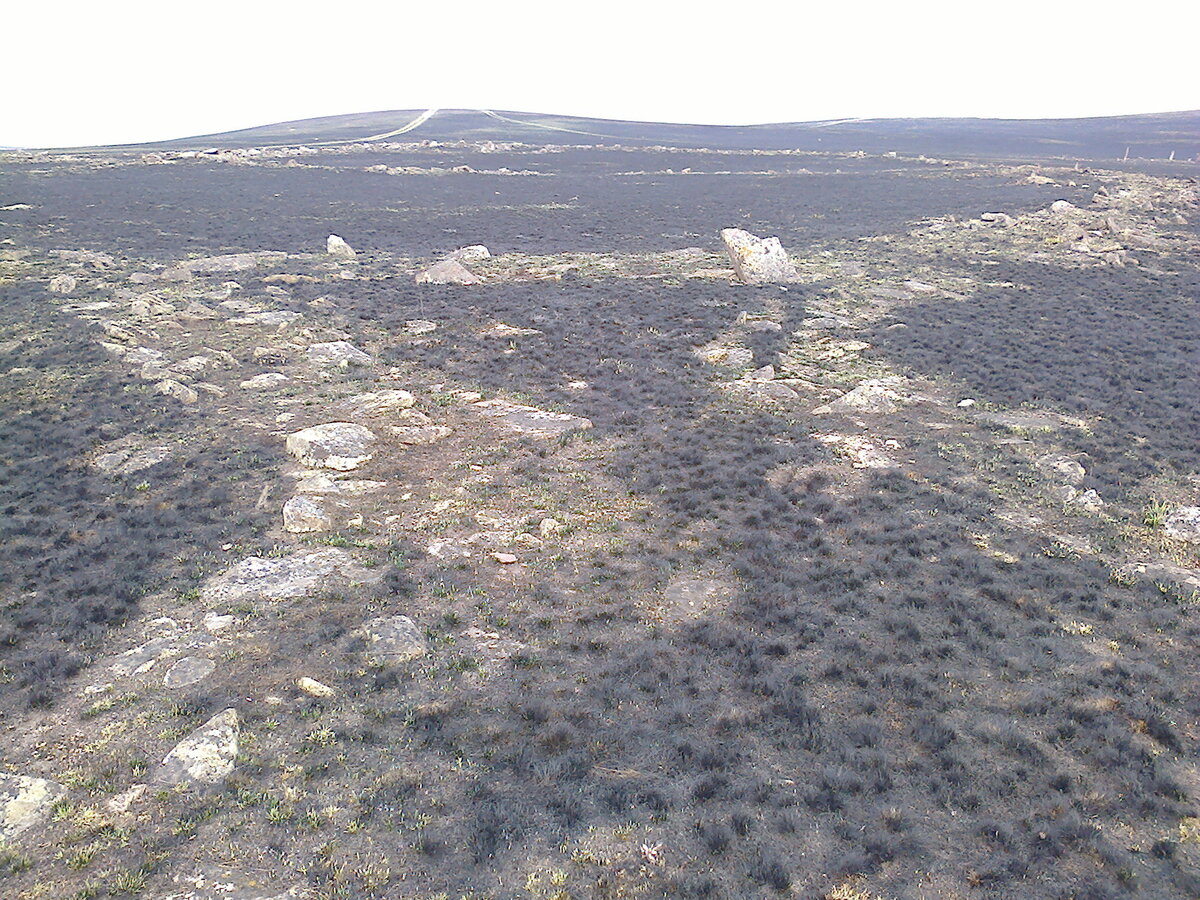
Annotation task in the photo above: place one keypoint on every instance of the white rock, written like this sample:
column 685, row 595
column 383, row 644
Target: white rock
column 335, row 246
column 1061, row 468
column 335, row 445
column 448, row 271
column 757, row 260
column 337, row 353
column 181, row 392
column 302, row 574
column 304, row 515
column 379, row 402
column 206, row 756
column 265, row 381
column 314, row 688
column 878, row 396
column 475, row 251
column 1184, row 524
column 25, row 802
column 62, row 284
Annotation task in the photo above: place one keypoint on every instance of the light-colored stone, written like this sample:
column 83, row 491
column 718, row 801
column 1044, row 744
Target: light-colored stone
column 303, row 574
column 337, row 353
column 1184, row 523
column 378, row 403
column 757, row 260
column 417, row 435
column 337, row 247
column 530, row 419
column 335, row 445
column 314, row 688
column 189, row 670
column 62, row 284
column 734, row 357
column 128, row 460
column 206, row 756
column 265, row 381
column 448, row 271
column 171, row 388
column 1061, row 468
column 321, row 483
column 417, row 327
column 876, row 396
column 394, row 639
column 25, row 802
column 505, row 559
column 549, row 527
column 473, row 252
column 304, row 515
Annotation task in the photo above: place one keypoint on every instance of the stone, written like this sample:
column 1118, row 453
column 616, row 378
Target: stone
column 766, row 373
column 335, row 445
column 169, row 387
column 144, row 657
column 1088, row 501
column 314, row 688
column 734, row 357
column 473, row 252
column 998, row 218
column 24, row 802
column 320, row 483
column 549, row 527
column 1063, row 207
column 189, row 670
column 1184, row 524
column 1061, row 468
column 303, row 574
column 338, row 248
column 448, row 271
column 91, row 258
column 505, row 559
column 877, row 396
column 417, row 435
column 530, row 420
column 206, row 756
column 394, row 639
column 265, row 381
column 128, row 460
column 272, row 318
column 417, row 327
column 757, row 260
column 337, row 353
column 62, row 284
column 221, row 882
column 379, row 402
column 304, row 515
column 212, row 265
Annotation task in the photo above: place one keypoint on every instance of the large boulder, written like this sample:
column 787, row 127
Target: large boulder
column 335, row 445
column 338, row 248
column 757, row 260
column 302, row 574
column 24, row 802
column 448, row 271
column 206, row 756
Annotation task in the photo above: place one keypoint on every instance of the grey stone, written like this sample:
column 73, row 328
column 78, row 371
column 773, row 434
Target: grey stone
column 265, row 381
column 335, row 445
column 126, row 461
column 757, row 260
column 876, row 396
column 25, row 802
column 206, row 756
column 1184, row 524
column 531, row 420
column 379, row 402
column 189, row 670
column 62, row 284
column 303, row 574
column 473, row 252
column 394, row 639
column 448, row 271
column 1061, row 468
column 304, row 515
column 170, row 387
column 337, row 353
column 338, row 248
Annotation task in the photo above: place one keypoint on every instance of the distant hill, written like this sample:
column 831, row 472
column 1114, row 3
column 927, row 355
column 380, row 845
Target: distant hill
column 1153, row 136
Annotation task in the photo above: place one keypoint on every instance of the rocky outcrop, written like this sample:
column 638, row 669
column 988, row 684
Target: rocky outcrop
column 448, row 271
column 379, row 402
column 25, row 802
column 876, row 396
column 335, row 445
column 206, row 756
column 757, row 260
column 531, row 420
column 302, row 574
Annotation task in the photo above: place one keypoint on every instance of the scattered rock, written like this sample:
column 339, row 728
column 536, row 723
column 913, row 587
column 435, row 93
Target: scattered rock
column 335, row 445
column 1184, row 524
column 272, row 318
column 206, row 756
column 548, row 527
column 1063, row 207
column 378, row 403
column 530, row 420
column 862, row 452
column 416, row 435
column 766, row 373
column 25, row 802
column 212, row 265
column 998, row 218
column 337, row 353
column 448, row 271
column 505, row 559
column 417, row 327
column 144, row 657
column 475, row 251
column 181, row 392
column 1061, row 468
column 393, row 640
column 320, row 483
column 304, row 515
column 189, row 670
column 265, row 381
column 877, row 396
column 128, row 460
column 734, row 357
column 920, row 287
column 302, row 574
column 62, row 284
column 503, row 329
column 314, row 688
column 223, row 883
column 91, row 258
column 757, row 260
column 338, row 248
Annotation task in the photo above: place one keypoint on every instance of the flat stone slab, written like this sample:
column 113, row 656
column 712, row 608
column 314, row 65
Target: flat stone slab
column 206, row 756
column 128, row 460
column 335, row 445
column 393, row 640
column 377, row 403
column 25, row 802
column 188, row 671
column 305, row 515
column 530, row 419
column 337, row 353
column 303, row 574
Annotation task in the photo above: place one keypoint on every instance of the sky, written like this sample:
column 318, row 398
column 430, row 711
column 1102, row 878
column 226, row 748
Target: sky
column 120, row 71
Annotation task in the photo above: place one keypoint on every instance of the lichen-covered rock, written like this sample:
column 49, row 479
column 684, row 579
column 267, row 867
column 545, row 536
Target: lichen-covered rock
column 206, row 756
column 448, row 271
column 305, row 515
column 757, row 260
column 302, row 574
column 24, row 802
column 394, row 639
column 335, row 445
column 188, row 671
column 1184, row 524
column 877, row 396
column 265, row 381
column 338, row 248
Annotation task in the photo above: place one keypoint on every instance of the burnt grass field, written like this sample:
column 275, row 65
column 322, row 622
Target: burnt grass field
column 901, row 694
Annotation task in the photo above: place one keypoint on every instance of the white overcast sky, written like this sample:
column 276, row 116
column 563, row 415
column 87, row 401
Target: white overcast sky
column 121, row 71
